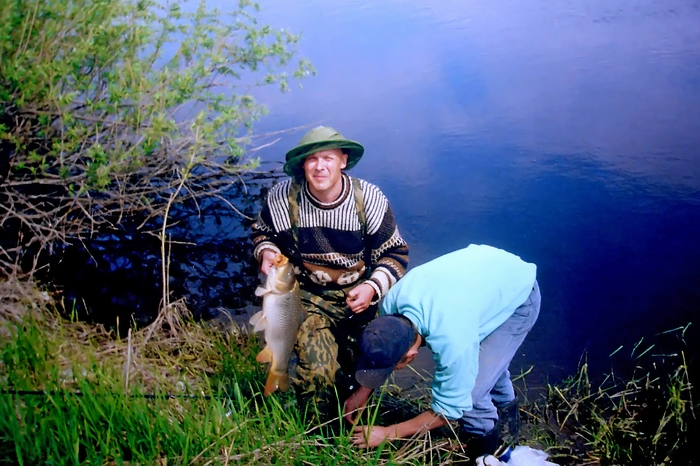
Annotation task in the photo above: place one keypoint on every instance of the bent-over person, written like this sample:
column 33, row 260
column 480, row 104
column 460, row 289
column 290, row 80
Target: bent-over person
column 472, row 308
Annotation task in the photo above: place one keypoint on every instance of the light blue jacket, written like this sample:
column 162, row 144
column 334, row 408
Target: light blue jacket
column 456, row 301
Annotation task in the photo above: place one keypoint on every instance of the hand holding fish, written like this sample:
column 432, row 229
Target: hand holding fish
column 267, row 260
column 360, row 297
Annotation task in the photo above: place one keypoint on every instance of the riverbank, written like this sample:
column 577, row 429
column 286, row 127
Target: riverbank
column 186, row 392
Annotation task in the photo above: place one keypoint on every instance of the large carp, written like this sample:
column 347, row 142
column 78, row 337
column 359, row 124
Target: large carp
column 280, row 318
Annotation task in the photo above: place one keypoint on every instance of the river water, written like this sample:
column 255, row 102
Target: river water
column 565, row 132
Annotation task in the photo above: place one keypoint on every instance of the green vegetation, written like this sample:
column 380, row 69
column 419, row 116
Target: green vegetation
column 648, row 418
column 182, row 392
column 112, row 110
column 176, row 392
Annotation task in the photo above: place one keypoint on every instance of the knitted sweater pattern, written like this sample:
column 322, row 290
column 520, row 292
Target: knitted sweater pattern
column 331, row 244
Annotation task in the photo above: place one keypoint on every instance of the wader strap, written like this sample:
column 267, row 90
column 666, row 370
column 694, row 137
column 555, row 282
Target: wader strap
column 359, row 205
column 362, row 218
column 294, row 200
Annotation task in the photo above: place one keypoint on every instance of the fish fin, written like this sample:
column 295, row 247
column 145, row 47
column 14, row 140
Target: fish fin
column 284, row 382
column 260, row 325
column 265, row 355
column 276, row 380
column 261, row 291
column 256, row 319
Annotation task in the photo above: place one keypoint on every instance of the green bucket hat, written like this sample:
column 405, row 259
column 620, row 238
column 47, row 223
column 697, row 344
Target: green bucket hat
column 317, row 139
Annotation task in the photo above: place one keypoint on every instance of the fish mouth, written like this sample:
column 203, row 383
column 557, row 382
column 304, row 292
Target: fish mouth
column 280, row 260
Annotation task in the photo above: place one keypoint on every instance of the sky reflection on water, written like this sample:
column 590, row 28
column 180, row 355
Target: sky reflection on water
column 566, row 132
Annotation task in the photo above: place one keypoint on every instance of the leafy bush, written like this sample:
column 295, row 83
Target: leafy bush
column 112, row 109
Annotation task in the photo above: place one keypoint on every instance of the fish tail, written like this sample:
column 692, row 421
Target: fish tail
column 265, row 355
column 276, row 380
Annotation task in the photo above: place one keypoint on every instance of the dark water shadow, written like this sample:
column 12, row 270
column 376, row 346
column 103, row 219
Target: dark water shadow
column 116, row 278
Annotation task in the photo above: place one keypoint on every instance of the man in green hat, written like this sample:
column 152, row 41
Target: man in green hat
column 340, row 233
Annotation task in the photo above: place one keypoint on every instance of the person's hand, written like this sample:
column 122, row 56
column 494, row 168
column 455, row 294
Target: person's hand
column 370, row 436
column 353, row 406
column 267, row 257
column 360, row 297
column 366, row 436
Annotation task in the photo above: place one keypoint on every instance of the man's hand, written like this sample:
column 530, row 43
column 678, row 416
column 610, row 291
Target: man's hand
column 266, row 260
column 353, row 406
column 360, row 297
column 370, row 436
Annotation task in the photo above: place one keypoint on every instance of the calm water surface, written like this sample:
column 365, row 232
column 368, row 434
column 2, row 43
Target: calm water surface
column 566, row 132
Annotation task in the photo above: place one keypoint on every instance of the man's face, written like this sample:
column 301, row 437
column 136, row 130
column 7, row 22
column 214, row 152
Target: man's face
column 322, row 171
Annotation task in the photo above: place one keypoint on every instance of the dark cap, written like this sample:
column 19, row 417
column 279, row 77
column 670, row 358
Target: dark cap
column 383, row 343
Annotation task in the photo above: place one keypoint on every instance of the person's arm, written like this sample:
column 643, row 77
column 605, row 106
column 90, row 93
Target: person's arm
column 387, row 247
column 353, row 406
column 265, row 248
column 383, row 239
column 372, row 436
column 267, row 241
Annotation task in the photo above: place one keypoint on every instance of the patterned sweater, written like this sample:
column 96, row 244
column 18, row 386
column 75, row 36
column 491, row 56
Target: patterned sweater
column 331, row 245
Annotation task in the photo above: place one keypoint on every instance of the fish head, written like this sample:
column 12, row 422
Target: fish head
column 282, row 274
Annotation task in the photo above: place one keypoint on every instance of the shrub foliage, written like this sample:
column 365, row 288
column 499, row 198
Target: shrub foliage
column 115, row 109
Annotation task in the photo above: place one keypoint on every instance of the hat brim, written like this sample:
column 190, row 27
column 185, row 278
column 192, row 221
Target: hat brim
column 373, row 377
column 294, row 166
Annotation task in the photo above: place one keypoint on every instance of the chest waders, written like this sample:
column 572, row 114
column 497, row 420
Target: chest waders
column 346, row 326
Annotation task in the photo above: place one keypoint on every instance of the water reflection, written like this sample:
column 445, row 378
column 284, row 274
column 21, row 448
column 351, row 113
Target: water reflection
column 567, row 132
column 618, row 80
column 116, row 277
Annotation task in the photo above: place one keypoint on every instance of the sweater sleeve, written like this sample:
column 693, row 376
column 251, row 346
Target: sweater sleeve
column 389, row 251
column 272, row 221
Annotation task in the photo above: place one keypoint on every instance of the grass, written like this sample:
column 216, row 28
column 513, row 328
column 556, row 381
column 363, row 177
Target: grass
column 185, row 392
column 176, row 392
column 648, row 418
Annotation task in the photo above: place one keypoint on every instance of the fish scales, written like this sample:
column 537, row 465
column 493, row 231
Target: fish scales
column 285, row 310
column 279, row 319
